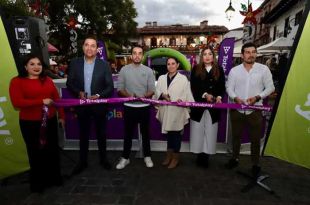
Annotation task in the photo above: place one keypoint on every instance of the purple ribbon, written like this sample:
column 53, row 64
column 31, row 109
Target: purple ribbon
column 79, row 102
column 42, row 138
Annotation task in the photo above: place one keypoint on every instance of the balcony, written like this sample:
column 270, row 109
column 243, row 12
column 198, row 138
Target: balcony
column 181, row 48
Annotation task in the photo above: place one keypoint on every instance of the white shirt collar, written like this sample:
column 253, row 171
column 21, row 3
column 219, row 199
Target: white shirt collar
column 208, row 68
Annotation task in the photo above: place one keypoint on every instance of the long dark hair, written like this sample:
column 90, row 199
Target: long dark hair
column 200, row 68
column 23, row 73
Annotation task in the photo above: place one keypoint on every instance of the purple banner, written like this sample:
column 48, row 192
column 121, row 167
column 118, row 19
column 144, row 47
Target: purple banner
column 225, row 60
column 102, row 52
column 226, row 54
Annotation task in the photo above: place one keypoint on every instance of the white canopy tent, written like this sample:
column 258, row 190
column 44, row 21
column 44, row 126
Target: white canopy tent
column 277, row 45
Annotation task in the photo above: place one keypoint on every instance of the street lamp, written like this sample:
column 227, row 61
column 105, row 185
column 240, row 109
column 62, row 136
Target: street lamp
column 229, row 11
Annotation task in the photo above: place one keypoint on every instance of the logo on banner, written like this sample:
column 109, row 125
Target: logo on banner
column 226, row 49
column 8, row 140
column 304, row 113
column 114, row 114
column 226, row 54
column 100, row 51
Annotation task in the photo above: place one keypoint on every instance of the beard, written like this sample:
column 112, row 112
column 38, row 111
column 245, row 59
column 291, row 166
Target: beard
column 137, row 61
column 250, row 61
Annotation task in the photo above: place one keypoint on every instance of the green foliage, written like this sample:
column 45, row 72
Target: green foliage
column 14, row 8
column 244, row 7
column 110, row 20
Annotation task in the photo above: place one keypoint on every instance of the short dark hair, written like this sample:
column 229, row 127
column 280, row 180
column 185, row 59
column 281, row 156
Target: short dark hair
column 91, row 36
column 247, row 45
column 136, row 46
column 24, row 73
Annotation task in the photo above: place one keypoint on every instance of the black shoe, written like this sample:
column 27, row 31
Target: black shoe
column 205, row 160
column 37, row 188
column 199, row 159
column 256, row 171
column 55, row 181
column 202, row 160
column 232, row 163
column 106, row 165
column 58, row 181
column 79, row 168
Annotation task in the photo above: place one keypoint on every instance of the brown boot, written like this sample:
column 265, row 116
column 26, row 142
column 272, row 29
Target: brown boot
column 168, row 158
column 174, row 161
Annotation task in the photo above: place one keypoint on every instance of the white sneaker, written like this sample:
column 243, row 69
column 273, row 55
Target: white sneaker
column 122, row 163
column 148, row 162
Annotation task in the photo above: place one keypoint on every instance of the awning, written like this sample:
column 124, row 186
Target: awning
column 51, row 48
column 279, row 44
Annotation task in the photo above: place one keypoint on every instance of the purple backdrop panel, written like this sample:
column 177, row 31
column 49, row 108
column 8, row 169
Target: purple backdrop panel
column 115, row 125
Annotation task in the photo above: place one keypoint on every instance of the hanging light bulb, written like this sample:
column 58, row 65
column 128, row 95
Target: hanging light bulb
column 230, row 11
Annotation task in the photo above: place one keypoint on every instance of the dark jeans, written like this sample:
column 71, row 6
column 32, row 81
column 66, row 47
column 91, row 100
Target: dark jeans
column 87, row 115
column 254, row 123
column 44, row 162
column 174, row 139
column 133, row 116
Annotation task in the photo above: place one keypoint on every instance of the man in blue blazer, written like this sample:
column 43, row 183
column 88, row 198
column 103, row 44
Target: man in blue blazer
column 90, row 78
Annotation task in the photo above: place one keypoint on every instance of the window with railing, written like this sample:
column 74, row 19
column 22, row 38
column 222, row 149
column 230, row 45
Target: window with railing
column 189, row 41
column 286, row 26
column 153, row 42
column 172, row 41
column 274, row 33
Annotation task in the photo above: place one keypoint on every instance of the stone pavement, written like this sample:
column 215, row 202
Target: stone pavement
column 185, row 185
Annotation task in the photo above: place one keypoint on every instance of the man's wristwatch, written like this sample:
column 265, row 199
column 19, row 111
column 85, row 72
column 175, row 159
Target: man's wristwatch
column 98, row 95
column 257, row 98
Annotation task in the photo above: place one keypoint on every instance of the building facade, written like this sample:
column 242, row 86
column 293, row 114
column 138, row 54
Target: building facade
column 262, row 30
column 184, row 38
column 278, row 18
column 284, row 18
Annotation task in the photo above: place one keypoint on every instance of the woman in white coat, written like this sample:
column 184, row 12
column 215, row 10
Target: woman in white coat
column 173, row 86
